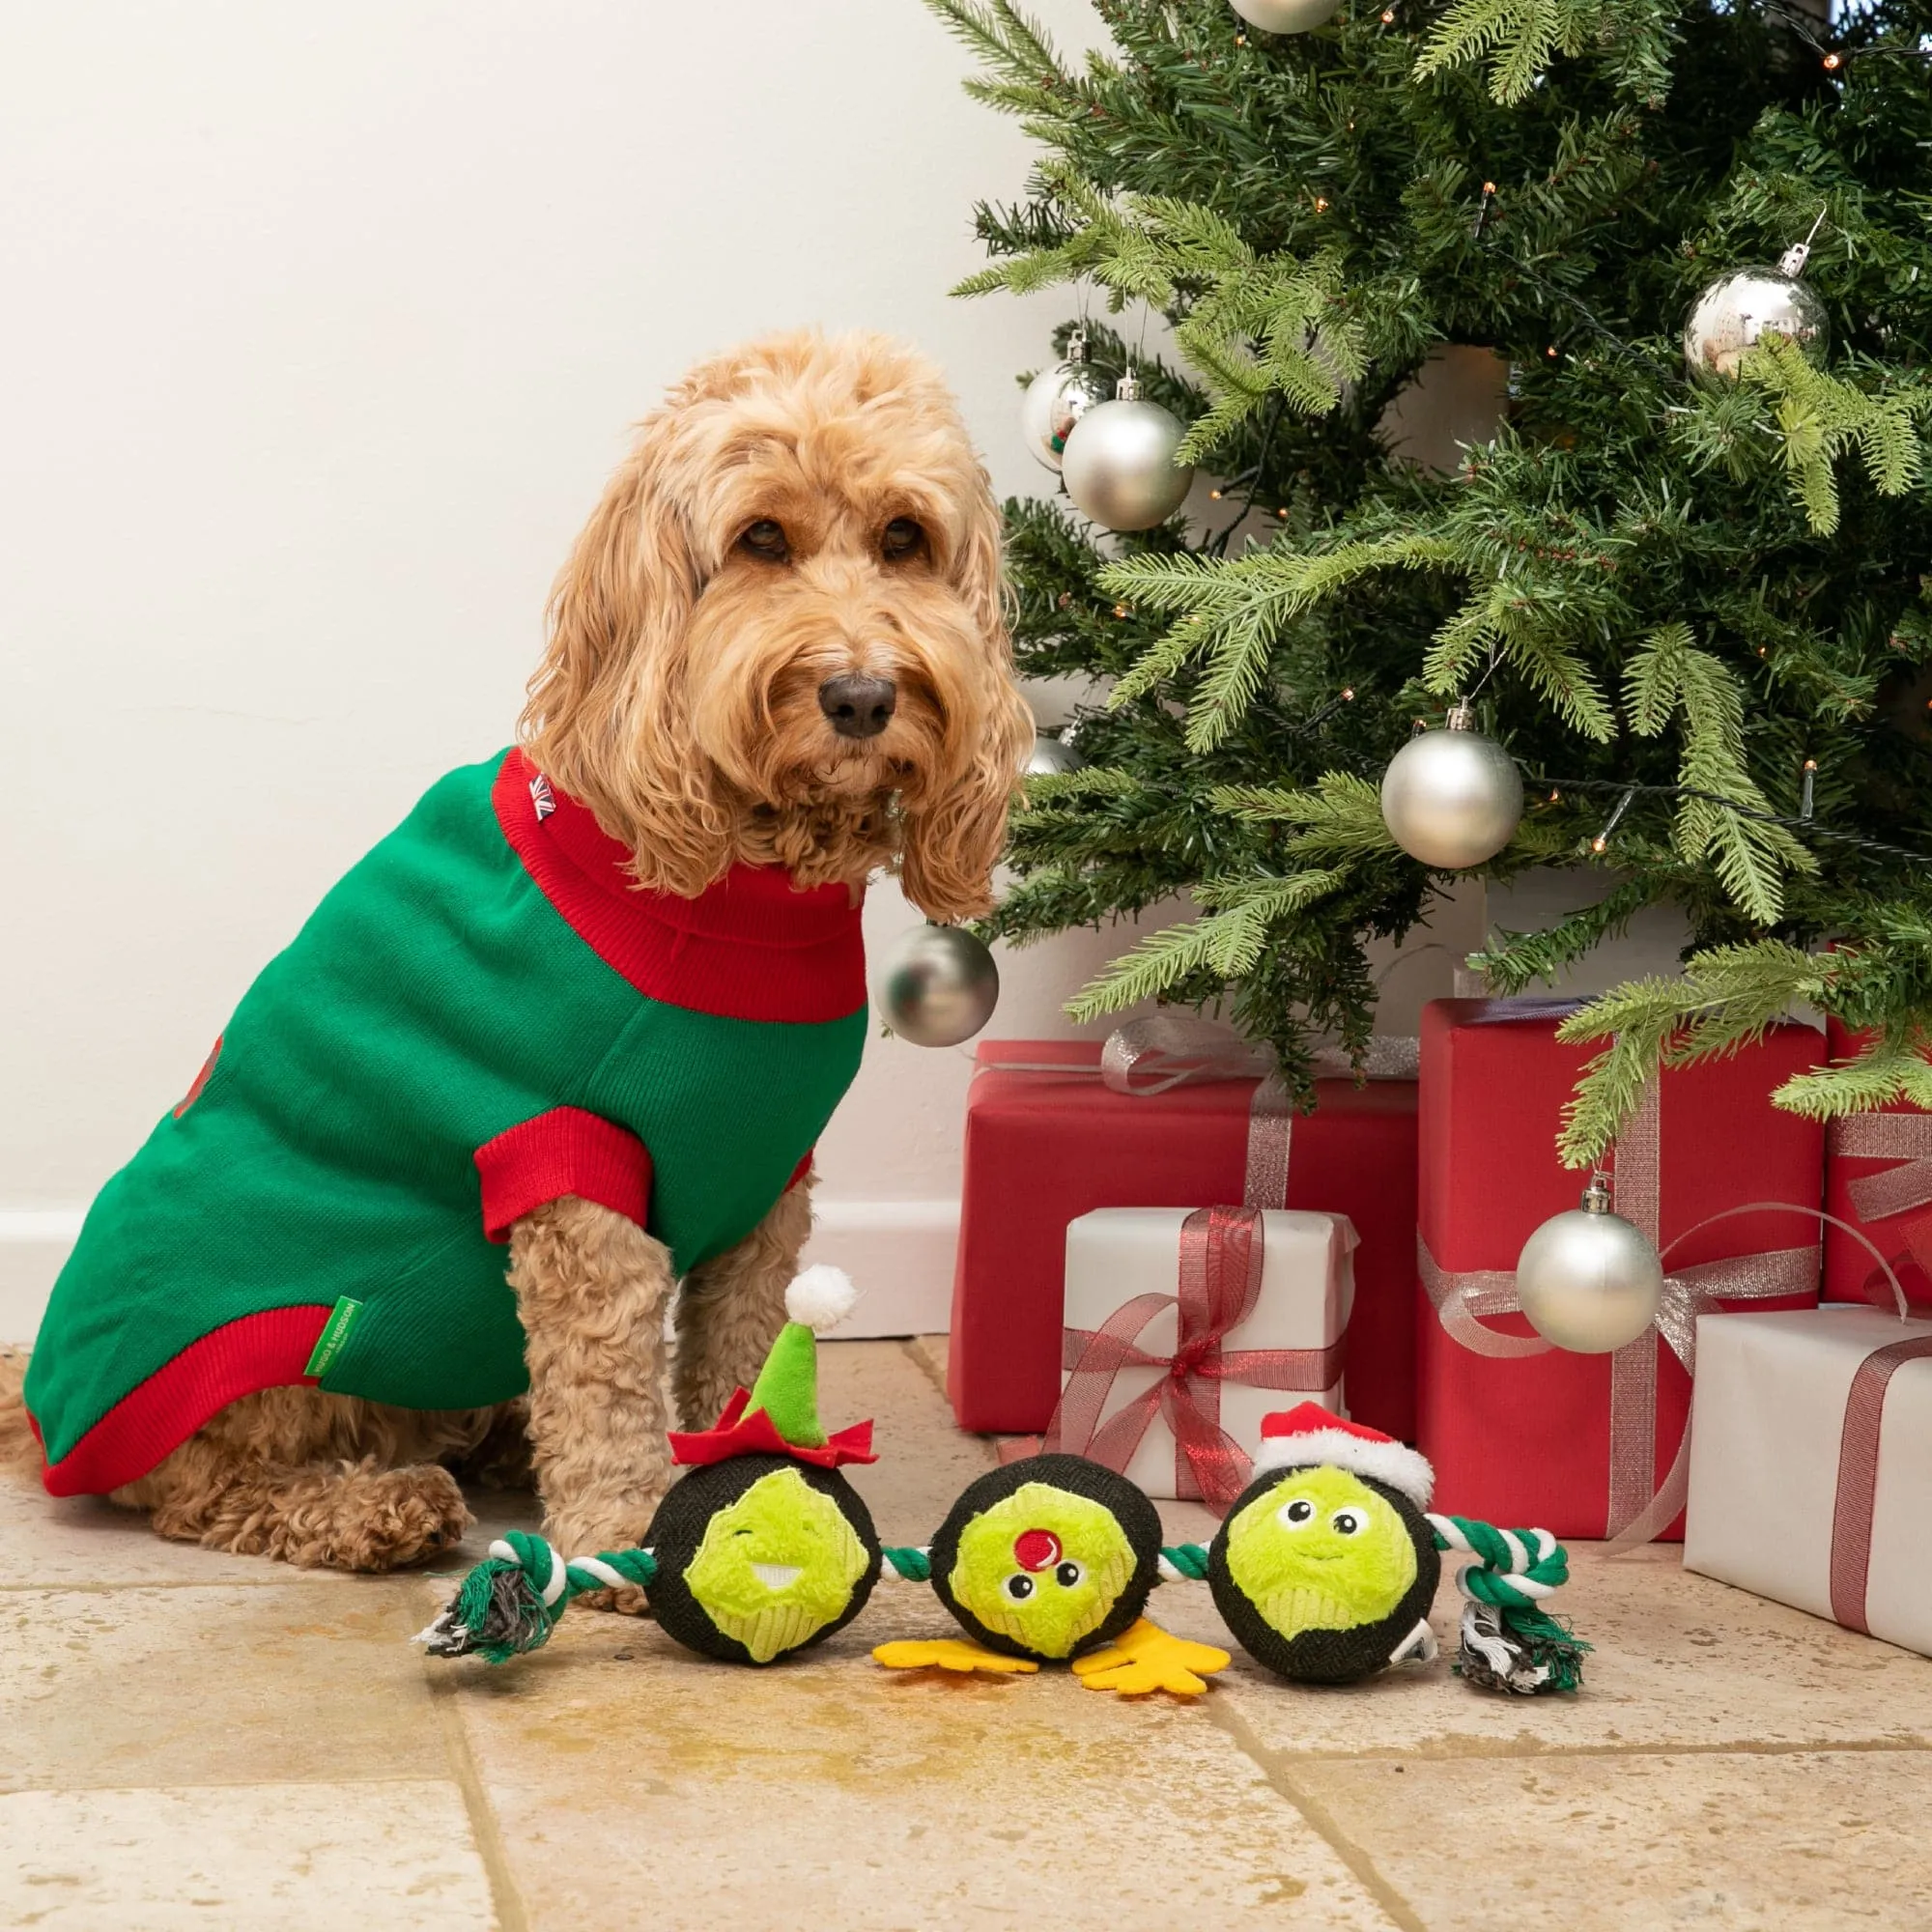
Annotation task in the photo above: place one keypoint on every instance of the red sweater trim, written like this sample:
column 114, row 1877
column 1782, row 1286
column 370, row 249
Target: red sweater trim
column 269, row 1349
column 752, row 946
column 563, row 1152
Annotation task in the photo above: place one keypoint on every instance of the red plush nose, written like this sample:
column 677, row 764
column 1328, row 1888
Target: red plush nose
column 1036, row 1550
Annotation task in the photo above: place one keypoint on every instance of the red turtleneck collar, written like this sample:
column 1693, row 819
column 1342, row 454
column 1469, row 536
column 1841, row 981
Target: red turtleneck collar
column 752, row 946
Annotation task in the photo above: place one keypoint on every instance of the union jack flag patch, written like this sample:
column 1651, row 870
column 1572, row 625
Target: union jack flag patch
column 542, row 797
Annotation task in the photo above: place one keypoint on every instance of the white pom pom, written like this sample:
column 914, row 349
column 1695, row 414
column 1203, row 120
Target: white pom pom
column 821, row 1297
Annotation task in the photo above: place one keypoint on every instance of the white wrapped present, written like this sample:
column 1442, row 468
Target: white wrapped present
column 1184, row 1328
column 1811, row 1464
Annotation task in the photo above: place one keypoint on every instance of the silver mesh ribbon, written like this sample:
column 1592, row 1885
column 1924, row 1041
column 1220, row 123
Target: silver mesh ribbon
column 1166, row 1050
column 1905, row 1138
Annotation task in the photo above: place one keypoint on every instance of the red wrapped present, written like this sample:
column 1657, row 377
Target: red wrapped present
column 1878, row 1175
column 1519, row 1433
column 1046, row 1146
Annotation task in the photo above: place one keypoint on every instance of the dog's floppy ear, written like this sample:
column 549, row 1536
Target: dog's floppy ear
column 952, row 842
column 607, row 717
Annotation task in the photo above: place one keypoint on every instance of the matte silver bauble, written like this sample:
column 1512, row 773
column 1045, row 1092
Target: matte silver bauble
column 1055, row 400
column 1588, row 1280
column 1738, row 310
column 936, row 986
column 1286, row 16
column 1051, row 754
column 1452, row 798
column 1119, row 463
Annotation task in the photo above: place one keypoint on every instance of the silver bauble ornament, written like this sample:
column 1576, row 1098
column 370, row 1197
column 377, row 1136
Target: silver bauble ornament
column 1057, row 398
column 1738, row 310
column 1286, row 16
column 1452, row 798
column 1587, row 1279
column 936, row 986
column 1051, row 754
column 1119, row 463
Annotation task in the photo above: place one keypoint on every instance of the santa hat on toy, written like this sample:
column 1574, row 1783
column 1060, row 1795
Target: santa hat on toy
column 778, row 1415
column 1307, row 1436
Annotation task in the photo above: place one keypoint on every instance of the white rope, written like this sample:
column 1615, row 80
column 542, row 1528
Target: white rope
column 595, row 1567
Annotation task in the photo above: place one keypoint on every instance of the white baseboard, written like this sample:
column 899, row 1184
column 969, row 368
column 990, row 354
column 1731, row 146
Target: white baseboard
column 901, row 1255
column 898, row 1251
column 34, row 1242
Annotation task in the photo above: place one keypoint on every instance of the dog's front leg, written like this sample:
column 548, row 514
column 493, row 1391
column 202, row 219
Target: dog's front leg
column 733, row 1305
column 591, row 1290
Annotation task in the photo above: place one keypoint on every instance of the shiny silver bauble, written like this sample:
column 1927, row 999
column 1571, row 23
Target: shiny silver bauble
column 1119, row 463
column 1452, row 798
column 936, row 986
column 1588, row 1280
column 1738, row 310
column 1055, row 400
column 1286, row 16
column 1051, row 754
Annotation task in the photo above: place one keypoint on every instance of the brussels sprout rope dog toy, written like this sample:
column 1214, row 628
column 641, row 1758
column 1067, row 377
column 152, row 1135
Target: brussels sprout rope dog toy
column 760, row 1551
column 1326, row 1565
column 1051, row 1559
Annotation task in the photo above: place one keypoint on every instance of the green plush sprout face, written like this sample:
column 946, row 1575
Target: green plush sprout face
column 776, row 1566
column 1321, row 1550
column 1042, row 1567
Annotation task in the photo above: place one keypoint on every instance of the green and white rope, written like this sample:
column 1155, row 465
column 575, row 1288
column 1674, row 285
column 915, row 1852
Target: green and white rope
column 906, row 1566
column 510, row 1603
column 1514, row 1568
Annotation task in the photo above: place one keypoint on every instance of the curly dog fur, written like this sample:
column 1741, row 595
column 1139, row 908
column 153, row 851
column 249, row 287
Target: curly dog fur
column 799, row 510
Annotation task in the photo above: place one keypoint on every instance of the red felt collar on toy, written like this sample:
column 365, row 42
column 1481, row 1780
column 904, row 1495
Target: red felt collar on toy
column 740, row 1434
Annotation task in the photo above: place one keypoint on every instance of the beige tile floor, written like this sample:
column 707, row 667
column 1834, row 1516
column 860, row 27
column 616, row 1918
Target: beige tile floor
column 196, row 1741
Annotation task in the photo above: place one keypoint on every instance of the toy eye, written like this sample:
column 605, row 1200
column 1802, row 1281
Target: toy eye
column 1294, row 1515
column 1069, row 1574
column 1019, row 1588
column 1345, row 1522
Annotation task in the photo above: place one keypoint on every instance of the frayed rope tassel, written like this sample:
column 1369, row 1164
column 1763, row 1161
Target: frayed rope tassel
column 510, row 1603
column 1510, row 1642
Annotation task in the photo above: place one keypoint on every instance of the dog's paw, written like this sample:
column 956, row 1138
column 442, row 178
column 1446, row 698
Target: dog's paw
column 628, row 1602
column 369, row 1521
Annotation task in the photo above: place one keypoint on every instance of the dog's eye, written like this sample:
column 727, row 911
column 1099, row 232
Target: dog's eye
column 902, row 538
column 766, row 539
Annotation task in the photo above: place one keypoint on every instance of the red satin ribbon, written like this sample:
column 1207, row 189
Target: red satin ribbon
column 1857, row 1476
column 1219, row 1285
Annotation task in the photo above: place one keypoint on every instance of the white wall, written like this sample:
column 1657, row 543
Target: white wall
column 321, row 328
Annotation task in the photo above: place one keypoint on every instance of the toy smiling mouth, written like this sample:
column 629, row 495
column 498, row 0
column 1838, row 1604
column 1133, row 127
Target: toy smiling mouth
column 777, row 1575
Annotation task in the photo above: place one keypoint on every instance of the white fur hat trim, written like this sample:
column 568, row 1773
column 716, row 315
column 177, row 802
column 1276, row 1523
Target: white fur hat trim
column 1383, row 1460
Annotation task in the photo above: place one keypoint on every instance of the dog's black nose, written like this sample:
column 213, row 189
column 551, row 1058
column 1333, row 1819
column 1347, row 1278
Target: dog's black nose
column 858, row 706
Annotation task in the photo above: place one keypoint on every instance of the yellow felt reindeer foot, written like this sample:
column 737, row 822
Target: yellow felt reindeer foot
column 1145, row 1657
column 951, row 1653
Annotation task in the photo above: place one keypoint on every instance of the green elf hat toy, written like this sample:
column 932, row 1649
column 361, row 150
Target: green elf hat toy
column 1326, row 1565
column 762, row 1550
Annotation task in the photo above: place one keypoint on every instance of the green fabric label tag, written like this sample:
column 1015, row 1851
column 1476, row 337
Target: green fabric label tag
column 334, row 1336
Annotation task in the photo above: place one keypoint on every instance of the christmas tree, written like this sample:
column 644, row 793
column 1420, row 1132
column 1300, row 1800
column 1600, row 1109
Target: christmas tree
column 1695, row 606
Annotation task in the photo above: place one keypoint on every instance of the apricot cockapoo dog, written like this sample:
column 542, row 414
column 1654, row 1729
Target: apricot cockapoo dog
column 595, row 998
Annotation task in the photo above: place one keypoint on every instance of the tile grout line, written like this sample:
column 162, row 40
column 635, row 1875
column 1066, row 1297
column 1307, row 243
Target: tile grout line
column 504, row 1898
column 910, row 1349
column 1232, row 1725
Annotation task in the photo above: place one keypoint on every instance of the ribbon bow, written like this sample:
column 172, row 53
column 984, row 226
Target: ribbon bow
column 1220, row 1281
column 1907, row 1139
column 1641, row 1508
